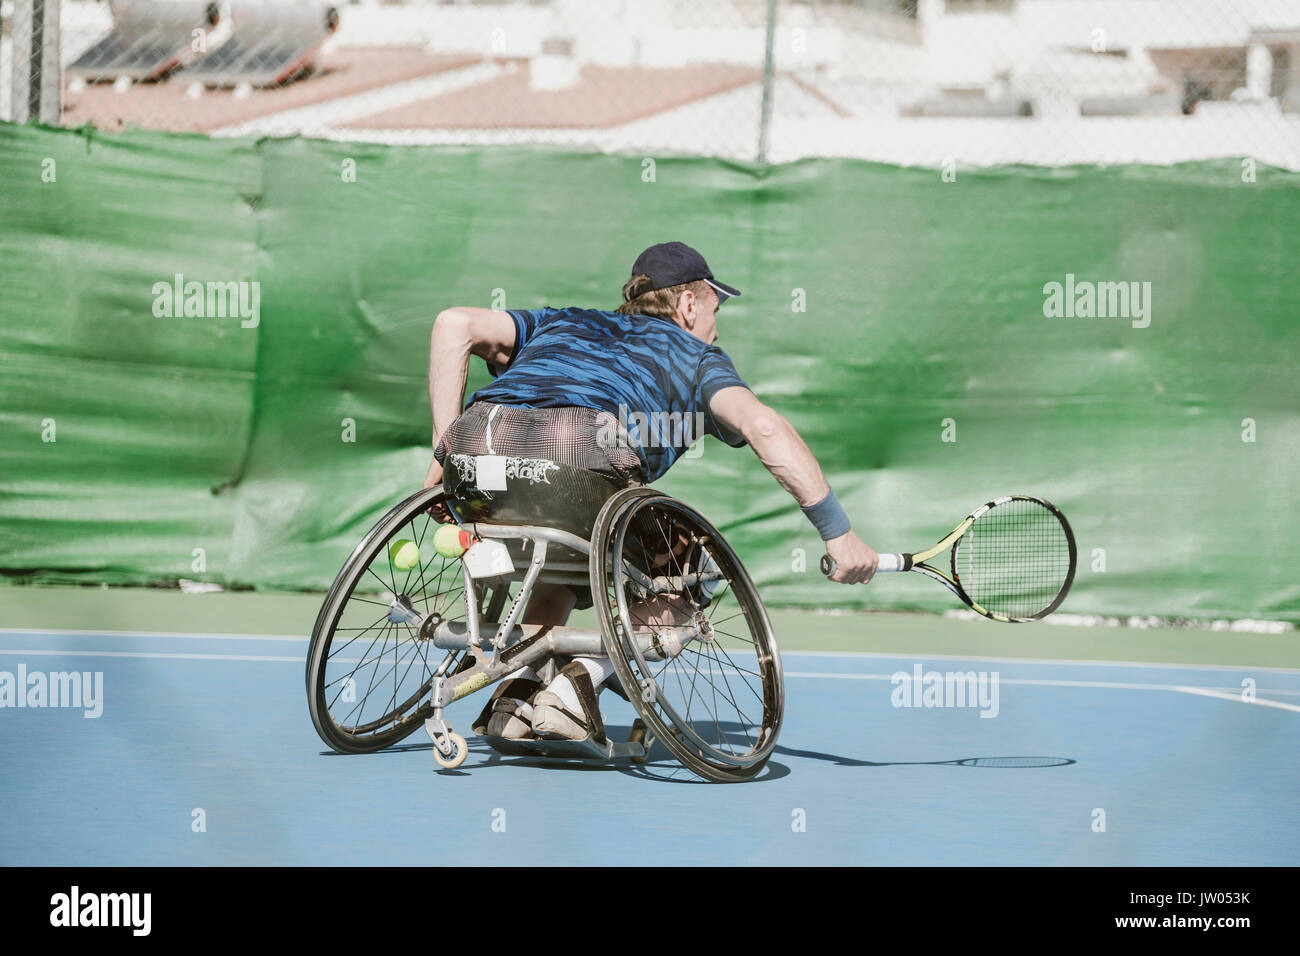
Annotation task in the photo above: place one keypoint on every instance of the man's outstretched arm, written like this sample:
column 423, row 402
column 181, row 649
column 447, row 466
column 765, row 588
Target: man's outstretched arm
column 459, row 333
column 783, row 453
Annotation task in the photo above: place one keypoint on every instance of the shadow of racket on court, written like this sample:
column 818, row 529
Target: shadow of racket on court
column 1000, row 763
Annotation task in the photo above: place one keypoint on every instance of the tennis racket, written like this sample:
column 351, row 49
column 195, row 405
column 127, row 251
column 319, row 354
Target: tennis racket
column 1012, row 559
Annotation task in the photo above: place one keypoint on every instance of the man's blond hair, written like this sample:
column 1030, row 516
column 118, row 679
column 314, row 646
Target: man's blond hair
column 639, row 299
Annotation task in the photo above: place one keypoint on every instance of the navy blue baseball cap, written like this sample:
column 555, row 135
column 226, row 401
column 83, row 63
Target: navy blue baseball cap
column 676, row 263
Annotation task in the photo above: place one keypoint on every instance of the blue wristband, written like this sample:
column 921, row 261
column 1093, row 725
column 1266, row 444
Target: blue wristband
column 828, row 517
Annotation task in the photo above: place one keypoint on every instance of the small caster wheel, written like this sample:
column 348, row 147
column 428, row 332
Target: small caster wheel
column 458, row 756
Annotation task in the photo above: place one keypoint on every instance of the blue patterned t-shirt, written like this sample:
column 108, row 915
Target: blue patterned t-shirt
column 652, row 375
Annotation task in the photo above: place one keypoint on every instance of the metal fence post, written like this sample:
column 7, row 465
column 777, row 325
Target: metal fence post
column 47, row 67
column 765, row 120
column 20, row 43
column 35, row 76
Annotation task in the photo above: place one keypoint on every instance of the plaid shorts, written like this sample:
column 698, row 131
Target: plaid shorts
column 577, row 437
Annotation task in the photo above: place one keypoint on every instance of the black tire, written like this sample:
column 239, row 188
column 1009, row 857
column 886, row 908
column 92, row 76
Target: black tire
column 727, row 754
column 401, row 704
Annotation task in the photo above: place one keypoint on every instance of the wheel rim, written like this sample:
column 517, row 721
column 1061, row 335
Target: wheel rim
column 717, row 703
column 370, row 669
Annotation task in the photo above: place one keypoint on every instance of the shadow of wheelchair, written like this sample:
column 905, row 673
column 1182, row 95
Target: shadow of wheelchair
column 661, row 766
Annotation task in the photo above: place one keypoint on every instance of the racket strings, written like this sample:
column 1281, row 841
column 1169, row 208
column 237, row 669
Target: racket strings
column 1015, row 559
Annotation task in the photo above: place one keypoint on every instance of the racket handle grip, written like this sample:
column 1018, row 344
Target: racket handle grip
column 884, row 562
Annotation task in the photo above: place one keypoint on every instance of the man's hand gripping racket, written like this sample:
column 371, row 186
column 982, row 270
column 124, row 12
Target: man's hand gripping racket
column 1012, row 559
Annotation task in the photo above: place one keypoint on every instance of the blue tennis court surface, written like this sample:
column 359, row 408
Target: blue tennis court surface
column 1184, row 771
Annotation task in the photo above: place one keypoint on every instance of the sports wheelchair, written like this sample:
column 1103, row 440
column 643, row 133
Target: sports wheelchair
column 391, row 649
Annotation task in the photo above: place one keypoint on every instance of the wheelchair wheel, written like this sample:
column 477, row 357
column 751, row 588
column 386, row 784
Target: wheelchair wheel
column 715, row 701
column 369, row 672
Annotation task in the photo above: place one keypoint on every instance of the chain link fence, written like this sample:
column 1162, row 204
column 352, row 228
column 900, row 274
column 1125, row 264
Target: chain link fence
column 918, row 82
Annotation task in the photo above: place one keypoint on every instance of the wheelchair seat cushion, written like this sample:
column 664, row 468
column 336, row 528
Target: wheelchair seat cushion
column 538, row 492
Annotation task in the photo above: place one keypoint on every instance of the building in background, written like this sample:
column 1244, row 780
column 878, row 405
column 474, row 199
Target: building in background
column 920, row 82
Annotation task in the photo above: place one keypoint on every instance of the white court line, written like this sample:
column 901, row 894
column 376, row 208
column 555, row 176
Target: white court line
column 870, row 655
column 145, row 654
column 1222, row 695
column 1232, row 694
column 166, row 635
column 1112, row 685
column 1045, row 682
column 883, row 655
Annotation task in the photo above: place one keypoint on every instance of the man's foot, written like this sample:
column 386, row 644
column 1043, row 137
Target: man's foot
column 553, row 717
column 511, row 719
column 552, row 720
column 508, row 714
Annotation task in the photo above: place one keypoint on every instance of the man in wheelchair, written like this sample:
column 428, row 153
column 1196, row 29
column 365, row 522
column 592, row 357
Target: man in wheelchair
column 565, row 381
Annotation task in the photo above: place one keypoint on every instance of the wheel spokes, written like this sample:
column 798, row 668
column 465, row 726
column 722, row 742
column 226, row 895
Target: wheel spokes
column 696, row 698
column 377, row 691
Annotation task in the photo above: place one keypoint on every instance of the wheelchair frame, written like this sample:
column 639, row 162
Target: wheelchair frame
column 485, row 653
column 514, row 646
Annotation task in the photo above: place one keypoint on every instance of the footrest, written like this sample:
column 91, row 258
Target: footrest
column 585, row 749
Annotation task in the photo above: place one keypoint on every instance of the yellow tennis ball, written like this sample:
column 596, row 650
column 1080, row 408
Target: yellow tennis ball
column 450, row 542
column 404, row 554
